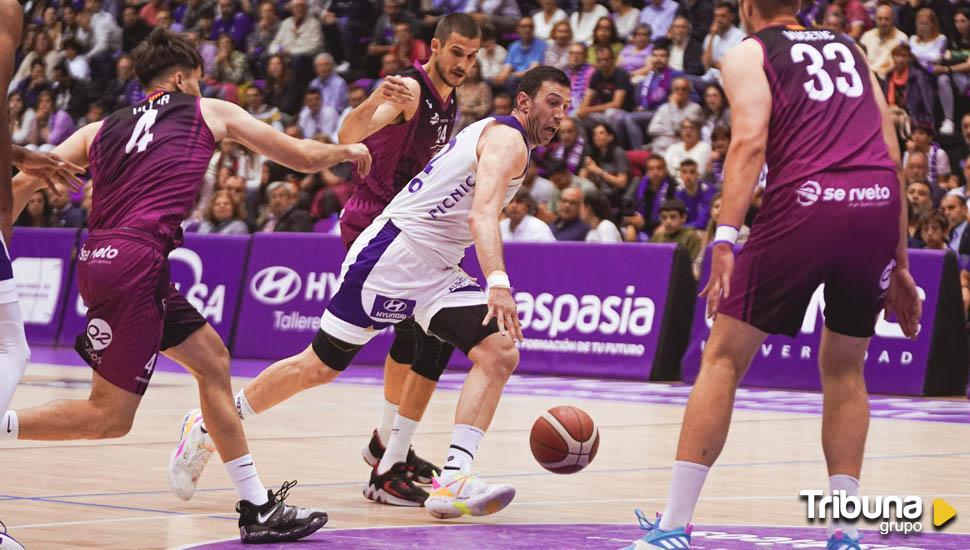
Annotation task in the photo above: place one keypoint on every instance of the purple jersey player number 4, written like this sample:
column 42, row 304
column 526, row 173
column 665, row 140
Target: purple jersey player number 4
column 146, row 163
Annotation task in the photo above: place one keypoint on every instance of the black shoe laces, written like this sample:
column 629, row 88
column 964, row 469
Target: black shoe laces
column 281, row 494
column 3, row 528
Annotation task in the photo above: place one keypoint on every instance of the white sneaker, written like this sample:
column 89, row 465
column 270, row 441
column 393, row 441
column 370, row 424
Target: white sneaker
column 947, row 128
column 466, row 494
column 6, row 541
column 190, row 457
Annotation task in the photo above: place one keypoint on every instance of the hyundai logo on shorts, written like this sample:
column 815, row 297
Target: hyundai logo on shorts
column 275, row 285
column 396, row 309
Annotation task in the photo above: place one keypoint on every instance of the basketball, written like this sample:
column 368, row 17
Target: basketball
column 564, row 439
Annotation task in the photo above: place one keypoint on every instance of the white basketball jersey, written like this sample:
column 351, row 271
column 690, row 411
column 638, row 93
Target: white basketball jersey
column 432, row 210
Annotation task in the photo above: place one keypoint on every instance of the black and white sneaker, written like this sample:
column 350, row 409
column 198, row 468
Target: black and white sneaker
column 276, row 521
column 394, row 487
column 419, row 469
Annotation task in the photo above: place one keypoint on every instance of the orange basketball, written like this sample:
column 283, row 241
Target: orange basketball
column 564, row 440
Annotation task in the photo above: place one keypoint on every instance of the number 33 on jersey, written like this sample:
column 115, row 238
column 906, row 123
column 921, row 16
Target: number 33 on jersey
column 822, row 105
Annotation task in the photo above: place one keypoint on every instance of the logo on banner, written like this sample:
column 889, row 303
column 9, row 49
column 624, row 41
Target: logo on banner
column 893, row 514
column 99, row 333
column 555, row 315
column 275, row 285
column 392, row 308
column 209, row 302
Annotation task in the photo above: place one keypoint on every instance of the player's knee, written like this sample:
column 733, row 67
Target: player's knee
column 403, row 348
column 112, row 425
column 497, row 354
column 215, row 369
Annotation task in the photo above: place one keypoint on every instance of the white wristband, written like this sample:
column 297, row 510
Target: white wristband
column 726, row 234
column 498, row 279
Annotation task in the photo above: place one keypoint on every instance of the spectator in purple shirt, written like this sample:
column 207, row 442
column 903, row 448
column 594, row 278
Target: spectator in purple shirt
column 650, row 94
column 235, row 23
column 697, row 195
column 640, row 214
column 51, row 125
column 333, row 88
column 124, row 89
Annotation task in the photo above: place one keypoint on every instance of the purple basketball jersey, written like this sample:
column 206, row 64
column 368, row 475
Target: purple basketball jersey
column 147, row 162
column 823, row 116
column 400, row 151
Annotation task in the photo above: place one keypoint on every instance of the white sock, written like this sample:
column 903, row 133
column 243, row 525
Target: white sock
column 242, row 406
column 14, row 353
column 243, row 474
column 398, row 444
column 10, row 427
column 849, row 484
column 464, row 445
column 386, row 422
column 685, row 488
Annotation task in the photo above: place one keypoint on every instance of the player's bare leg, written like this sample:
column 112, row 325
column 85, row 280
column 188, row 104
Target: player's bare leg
column 707, row 419
column 108, row 412
column 284, row 379
column 845, row 415
column 458, row 492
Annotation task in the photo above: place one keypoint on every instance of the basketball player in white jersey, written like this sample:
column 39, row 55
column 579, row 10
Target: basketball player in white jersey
column 406, row 264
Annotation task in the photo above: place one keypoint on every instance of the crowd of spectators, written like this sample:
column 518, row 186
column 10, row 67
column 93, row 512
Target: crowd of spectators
column 640, row 159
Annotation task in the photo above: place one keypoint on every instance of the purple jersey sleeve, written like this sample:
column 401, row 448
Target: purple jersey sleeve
column 147, row 162
column 824, row 117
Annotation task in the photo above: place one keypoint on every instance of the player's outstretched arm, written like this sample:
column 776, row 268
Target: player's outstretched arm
column 42, row 170
column 11, row 20
column 396, row 96
column 228, row 120
column 502, row 156
column 747, row 88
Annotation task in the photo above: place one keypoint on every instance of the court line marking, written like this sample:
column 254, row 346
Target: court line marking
column 22, row 445
column 55, row 498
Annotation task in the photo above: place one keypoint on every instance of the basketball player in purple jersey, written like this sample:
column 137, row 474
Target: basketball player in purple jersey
column 147, row 162
column 805, row 102
column 403, row 123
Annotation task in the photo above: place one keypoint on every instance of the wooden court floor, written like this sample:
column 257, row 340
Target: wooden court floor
column 114, row 494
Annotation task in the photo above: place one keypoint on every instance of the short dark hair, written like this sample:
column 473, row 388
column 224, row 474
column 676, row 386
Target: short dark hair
column 162, row 51
column 662, row 43
column 71, row 44
column 721, row 132
column 597, row 202
column 674, row 205
column 311, row 91
column 933, row 216
column 554, row 166
column 605, row 48
column 524, row 196
column 688, row 162
column 489, row 32
column 533, row 78
column 460, row 23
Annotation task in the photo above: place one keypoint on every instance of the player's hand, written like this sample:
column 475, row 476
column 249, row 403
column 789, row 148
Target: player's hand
column 719, row 284
column 50, row 168
column 902, row 299
column 359, row 155
column 394, row 90
column 501, row 306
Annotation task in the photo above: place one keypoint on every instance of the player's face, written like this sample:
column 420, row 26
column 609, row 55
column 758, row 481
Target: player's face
column 454, row 59
column 545, row 112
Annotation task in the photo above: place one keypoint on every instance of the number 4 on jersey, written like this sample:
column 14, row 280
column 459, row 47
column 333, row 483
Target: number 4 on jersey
column 142, row 134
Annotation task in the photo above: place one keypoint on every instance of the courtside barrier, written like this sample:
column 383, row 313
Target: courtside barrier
column 936, row 363
column 43, row 268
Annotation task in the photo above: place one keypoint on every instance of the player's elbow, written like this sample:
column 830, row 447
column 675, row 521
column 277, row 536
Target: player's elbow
column 748, row 149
